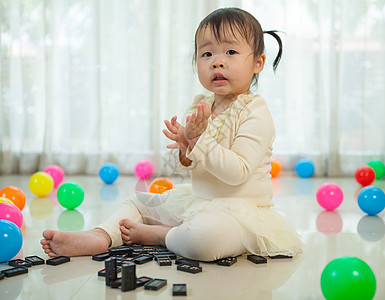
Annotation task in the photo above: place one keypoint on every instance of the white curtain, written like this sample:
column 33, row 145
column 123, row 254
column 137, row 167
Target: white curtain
column 86, row 82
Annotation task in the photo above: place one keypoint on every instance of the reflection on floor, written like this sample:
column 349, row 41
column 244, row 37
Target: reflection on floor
column 327, row 235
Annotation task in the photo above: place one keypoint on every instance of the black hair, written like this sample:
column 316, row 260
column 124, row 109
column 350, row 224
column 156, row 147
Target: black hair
column 234, row 19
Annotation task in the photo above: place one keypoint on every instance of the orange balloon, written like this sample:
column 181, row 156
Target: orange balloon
column 161, row 184
column 276, row 167
column 15, row 194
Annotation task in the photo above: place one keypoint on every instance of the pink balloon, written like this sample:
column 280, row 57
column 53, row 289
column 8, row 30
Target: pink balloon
column 56, row 173
column 11, row 212
column 329, row 196
column 144, row 169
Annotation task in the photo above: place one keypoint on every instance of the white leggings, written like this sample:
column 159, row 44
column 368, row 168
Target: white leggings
column 208, row 236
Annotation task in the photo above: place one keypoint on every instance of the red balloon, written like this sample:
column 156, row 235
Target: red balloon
column 365, row 175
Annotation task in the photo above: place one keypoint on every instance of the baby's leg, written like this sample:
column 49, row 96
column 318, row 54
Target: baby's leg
column 94, row 241
column 112, row 224
column 208, row 236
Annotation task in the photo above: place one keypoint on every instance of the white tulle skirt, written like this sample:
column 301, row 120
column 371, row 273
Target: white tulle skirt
column 263, row 231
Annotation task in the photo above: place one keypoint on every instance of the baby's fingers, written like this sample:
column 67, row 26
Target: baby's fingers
column 173, row 146
column 169, row 135
column 199, row 113
column 173, row 120
column 172, row 128
column 193, row 119
column 206, row 110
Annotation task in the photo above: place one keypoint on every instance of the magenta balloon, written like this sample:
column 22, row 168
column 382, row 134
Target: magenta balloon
column 329, row 196
column 144, row 169
column 11, row 212
column 56, row 173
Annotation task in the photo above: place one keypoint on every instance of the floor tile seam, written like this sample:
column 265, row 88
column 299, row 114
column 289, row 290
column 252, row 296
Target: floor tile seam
column 78, row 290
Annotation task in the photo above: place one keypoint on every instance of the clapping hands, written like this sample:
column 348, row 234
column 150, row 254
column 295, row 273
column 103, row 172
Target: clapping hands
column 196, row 124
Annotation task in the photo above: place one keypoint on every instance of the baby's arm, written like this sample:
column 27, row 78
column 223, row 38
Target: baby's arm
column 248, row 149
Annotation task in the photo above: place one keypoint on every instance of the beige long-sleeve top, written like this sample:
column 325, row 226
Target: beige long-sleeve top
column 232, row 158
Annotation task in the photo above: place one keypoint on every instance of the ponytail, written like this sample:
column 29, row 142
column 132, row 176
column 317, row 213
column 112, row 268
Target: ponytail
column 279, row 55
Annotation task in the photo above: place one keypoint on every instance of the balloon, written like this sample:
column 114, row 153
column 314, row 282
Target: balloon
column 276, row 167
column 348, row 277
column 378, row 167
column 109, row 172
column 161, row 184
column 329, row 196
column 144, row 169
column 10, row 235
column 365, row 175
column 70, row 195
column 304, row 168
column 15, row 194
column 371, row 200
column 56, row 173
column 41, row 184
column 5, row 200
column 11, row 212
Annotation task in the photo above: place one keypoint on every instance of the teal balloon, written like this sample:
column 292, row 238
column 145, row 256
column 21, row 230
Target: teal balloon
column 348, row 278
column 70, row 195
column 304, row 168
column 11, row 240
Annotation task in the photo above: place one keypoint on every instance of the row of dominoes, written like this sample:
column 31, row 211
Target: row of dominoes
column 20, row 266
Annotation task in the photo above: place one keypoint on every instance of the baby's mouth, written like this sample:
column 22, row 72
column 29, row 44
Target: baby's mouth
column 219, row 79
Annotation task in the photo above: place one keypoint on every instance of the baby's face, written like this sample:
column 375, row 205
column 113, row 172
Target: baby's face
column 225, row 67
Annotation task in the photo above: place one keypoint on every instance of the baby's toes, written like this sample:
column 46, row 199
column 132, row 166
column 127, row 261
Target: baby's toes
column 126, row 239
column 124, row 230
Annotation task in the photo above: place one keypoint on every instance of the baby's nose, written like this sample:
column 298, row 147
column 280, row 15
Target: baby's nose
column 218, row 63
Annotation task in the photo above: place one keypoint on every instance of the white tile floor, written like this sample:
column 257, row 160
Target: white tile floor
column 327, row 235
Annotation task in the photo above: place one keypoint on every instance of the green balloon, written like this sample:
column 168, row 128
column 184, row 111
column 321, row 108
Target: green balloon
column 70, row 195
column 348, row 277
column 378, row 167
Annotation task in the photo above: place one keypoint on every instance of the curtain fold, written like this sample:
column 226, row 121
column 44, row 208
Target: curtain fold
column 84, row 82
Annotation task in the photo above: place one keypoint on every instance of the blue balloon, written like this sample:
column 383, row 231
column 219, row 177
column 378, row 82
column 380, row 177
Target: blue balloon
column 11, row 240
column 304, row 168
column 109, row 172
column 371, row 200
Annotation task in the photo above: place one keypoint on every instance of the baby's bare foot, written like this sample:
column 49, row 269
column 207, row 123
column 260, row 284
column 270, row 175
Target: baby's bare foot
column 133, row 232
column 75, row 243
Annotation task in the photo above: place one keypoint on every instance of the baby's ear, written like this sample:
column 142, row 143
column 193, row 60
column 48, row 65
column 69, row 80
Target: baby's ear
column 259, row 63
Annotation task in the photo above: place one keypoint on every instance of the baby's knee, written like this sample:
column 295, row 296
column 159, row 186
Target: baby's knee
column 202, row 244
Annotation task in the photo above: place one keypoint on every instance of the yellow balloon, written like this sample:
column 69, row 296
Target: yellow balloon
column 41, row 184
column 6, row 200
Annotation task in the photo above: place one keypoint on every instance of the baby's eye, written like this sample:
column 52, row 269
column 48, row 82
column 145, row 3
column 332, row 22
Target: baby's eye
column 206, row 54
column 231, row 52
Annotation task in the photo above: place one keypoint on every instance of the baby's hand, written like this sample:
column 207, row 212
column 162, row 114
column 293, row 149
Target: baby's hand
column 197, row 123
column 176, row 134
